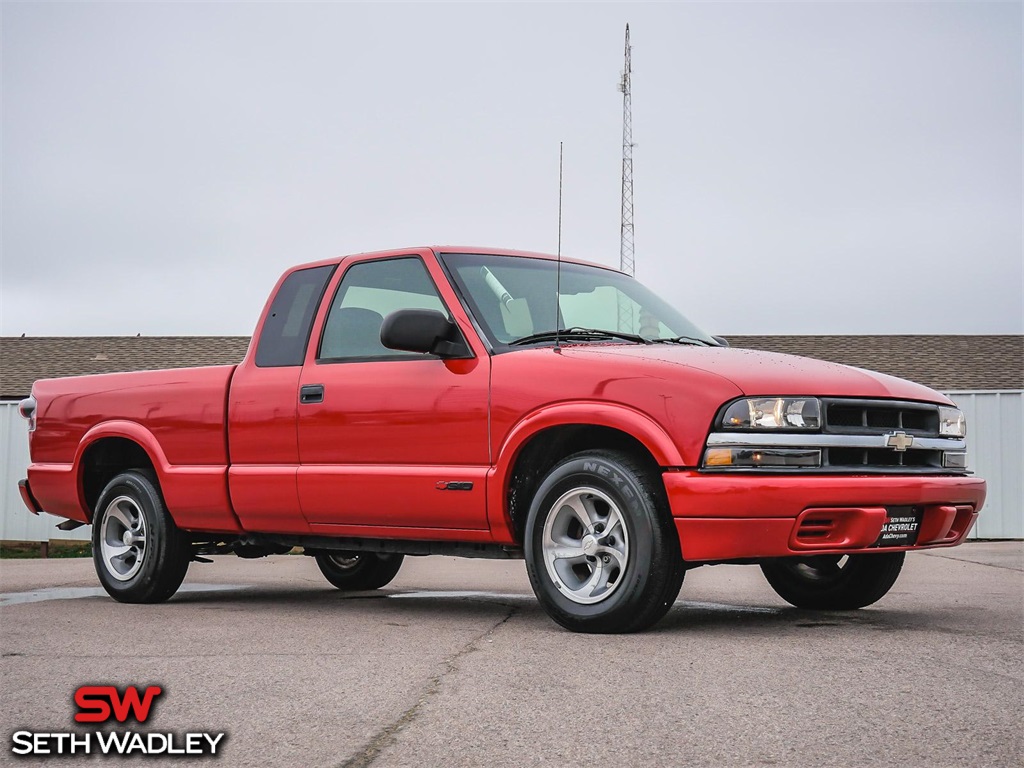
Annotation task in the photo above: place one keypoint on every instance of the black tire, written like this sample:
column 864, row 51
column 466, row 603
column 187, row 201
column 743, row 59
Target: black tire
column 150, row 568
column 355, row 571
column 564, row 557
column 833, row 582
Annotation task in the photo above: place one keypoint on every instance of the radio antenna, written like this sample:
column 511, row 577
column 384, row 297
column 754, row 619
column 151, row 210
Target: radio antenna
column 558, row 267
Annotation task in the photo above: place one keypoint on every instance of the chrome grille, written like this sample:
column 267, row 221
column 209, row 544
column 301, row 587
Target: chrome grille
column 880, row 417
column 858, row 436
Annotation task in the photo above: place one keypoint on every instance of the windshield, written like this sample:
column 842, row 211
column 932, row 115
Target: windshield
column 514, row 297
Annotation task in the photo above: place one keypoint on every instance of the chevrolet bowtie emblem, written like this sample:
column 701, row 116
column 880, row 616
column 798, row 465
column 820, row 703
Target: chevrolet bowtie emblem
column 899, row 441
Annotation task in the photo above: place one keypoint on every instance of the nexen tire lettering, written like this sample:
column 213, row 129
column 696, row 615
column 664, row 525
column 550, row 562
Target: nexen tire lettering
column 620, row 482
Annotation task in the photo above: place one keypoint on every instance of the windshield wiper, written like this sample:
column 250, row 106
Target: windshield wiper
column 683, row 340
column 579, row 334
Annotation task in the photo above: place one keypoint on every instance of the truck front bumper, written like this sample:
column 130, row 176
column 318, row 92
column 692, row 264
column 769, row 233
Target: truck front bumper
column 749, row 516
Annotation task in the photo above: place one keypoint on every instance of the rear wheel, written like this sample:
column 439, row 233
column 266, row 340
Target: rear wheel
column 140, row 554
column 601, row 550
column 833, row 582
column 358, row 570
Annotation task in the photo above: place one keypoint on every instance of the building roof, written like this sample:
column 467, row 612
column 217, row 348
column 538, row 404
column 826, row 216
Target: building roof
column 946, row 363
column 25, row 359
column 941, row 362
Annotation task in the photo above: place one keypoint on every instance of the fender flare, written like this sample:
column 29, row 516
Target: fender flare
column 197, row 496
column 590, row 413
column 128, row 430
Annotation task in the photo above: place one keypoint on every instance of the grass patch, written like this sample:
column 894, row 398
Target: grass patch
column 11, row 550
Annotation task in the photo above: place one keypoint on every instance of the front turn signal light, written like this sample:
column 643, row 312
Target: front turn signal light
column 762, row 458
column 718, row 457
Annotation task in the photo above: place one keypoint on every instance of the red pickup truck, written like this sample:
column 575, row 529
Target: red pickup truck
column 486, row 403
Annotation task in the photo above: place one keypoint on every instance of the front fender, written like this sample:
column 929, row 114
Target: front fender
column 595, row 413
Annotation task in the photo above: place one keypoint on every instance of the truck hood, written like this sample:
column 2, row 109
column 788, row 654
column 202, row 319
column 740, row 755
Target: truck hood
column 767, row 373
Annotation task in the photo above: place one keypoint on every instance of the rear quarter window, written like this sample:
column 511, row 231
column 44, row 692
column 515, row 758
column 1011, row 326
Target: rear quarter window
column 286, row 330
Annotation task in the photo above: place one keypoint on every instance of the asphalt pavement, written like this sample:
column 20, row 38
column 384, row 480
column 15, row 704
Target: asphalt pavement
column 455, row 664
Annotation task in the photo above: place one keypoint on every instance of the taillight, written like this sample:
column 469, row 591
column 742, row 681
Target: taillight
column 27, row 409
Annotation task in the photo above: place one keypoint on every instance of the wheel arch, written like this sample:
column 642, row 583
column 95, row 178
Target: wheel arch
column 543, row 439
column 107, row 450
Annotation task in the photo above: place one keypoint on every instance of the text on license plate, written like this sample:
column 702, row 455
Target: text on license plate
column 901, row 526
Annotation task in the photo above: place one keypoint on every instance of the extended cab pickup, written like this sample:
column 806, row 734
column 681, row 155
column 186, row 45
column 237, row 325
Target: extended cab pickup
column 504, row 404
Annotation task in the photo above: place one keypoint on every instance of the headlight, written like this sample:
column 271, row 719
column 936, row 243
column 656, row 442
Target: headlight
column 952, row 422
column 773, row 413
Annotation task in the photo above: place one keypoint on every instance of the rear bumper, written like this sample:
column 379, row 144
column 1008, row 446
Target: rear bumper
column 740, row 517
column 55, row 490
column 26, row 495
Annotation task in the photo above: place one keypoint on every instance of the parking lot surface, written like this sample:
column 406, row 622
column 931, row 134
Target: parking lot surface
column 455, row 664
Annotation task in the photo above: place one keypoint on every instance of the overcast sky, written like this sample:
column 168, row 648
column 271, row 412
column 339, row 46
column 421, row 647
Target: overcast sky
column 811, row 168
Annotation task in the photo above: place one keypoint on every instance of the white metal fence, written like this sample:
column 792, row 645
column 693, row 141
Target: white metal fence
column 995, row 438
column 995, row 451
column 16, row 522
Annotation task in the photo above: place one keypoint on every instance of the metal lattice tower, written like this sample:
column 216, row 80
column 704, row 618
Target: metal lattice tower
column 626, row 235
column 626, row 260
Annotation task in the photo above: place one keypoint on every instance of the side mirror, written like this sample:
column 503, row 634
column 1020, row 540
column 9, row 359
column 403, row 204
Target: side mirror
column 722, row 341
column 423, row 330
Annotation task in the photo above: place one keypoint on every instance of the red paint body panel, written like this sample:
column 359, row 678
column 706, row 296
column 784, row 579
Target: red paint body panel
column 199, row 498
column 262, row 409
column 26, row 496
column 235, row 451
column 401, row 412
column 731, row 517
column 769, row 373
column 385, row 434
column 669, row 411
column 400, row 496
column 178, row 419
column 722, row 539
column 264, row 444
column 266, row 498
column 57, row 490
column 185, row 410
column 821, row 528
column 694, row 494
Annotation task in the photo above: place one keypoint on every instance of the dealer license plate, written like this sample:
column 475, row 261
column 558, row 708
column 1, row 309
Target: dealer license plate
column 901, row 527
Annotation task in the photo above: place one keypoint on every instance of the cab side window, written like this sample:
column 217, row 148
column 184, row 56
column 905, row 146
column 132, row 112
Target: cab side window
column 286, row 329
column 369, row 292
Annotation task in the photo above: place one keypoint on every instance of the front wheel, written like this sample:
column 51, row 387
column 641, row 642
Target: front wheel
column 601, row 551
column 140, row 554
column 833, row 582
column 357, row 571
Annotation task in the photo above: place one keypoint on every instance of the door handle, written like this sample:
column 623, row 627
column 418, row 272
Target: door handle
column 311, row 393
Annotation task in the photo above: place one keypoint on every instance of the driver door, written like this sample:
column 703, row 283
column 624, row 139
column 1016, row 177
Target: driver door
column 388, row 440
